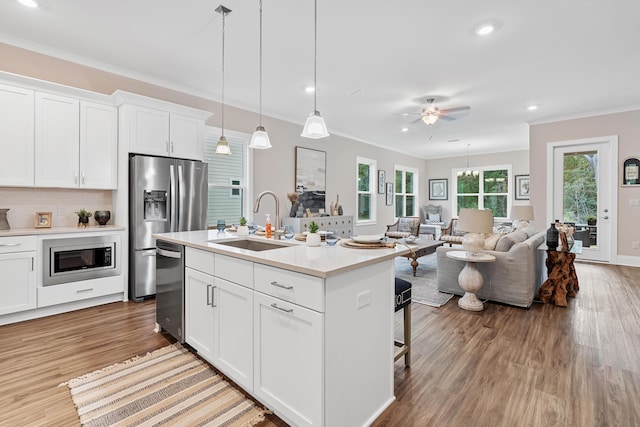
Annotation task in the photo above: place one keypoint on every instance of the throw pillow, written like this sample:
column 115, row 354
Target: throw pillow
column 434, row 217
column 491, row 241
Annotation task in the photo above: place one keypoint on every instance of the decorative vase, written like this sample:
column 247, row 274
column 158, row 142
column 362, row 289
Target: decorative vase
column 102, row 217
column 83, row 221
column 313, row 239
column 552, row 237
column 243, row 230
column 4, row 224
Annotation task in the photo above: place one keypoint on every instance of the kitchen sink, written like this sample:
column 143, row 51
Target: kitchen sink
column 252, row 245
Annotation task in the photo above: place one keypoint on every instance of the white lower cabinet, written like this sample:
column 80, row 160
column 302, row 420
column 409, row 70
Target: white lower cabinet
column 233, row 331
column 17, row 274
column 199, row 311
column 288, row 359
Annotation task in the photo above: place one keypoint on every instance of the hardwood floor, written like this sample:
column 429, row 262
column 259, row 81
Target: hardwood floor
column 505, row 366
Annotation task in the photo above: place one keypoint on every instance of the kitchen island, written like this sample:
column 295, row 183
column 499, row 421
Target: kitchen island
column 308, row 331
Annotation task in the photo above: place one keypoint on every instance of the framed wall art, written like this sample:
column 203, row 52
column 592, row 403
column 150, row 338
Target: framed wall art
column 389, row 193
column 381, row 180
column 630, row 169
column 438, row 189
column 522, row 187
column 43, row 220
column 311, row 167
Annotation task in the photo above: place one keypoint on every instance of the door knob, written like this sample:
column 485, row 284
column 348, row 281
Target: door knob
column 605, row 217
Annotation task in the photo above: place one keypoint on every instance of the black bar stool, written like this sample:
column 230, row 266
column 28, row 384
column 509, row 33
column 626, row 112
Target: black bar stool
column 403, row 302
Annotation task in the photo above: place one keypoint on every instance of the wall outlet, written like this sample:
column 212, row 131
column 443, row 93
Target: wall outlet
column 363, row 299
column 635, row 245
column 634, row 202
column 62, row 210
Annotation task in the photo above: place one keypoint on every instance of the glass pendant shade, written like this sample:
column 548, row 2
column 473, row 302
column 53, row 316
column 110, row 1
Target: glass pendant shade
column 315, row 127
column 223, row 147
column 260, row 139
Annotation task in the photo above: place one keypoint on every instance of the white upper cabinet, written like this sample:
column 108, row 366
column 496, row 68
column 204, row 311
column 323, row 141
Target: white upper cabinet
column 57, row 141
column 16, row 136
column 98, row 146
column 159, row 128
column 76, row 143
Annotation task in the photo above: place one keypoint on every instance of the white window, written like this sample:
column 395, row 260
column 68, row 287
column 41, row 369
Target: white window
column 366, row 173
column 406, row 191
column 487, row 187
column 228, row 175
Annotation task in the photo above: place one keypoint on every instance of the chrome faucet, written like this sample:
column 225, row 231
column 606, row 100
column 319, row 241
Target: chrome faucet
column 256, row 206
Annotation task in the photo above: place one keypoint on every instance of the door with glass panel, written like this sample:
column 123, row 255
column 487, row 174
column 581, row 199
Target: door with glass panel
column 582, row 194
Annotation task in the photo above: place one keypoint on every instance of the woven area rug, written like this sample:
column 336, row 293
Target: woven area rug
column 424, row 289
column 170, row 386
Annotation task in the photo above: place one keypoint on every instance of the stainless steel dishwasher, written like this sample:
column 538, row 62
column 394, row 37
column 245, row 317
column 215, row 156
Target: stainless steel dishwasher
column 170, row 288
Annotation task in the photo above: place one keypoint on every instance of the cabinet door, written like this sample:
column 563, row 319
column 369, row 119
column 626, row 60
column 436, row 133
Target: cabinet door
column 187, row 137
column 57, row 141
column 288, row 359
column 233, row 332
column 98, row 146
column 16, row 136
column 199, row 312
column 18, row 283
column 149, row 131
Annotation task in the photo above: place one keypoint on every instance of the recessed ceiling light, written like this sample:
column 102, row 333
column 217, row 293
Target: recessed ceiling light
column 405, row 129
column 356, row 91
column 532, row 107
column 309, row 89
column 485, row 29
column 29, row 3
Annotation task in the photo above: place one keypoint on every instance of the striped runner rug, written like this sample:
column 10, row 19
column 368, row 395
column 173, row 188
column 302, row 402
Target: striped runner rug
column 170, row 386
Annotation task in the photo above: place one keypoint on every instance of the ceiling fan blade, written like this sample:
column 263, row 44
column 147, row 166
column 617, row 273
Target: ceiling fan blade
column 455, row 110
column 447, row 118
column 413, row 122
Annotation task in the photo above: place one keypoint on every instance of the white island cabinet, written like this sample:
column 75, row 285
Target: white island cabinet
column 306, row 331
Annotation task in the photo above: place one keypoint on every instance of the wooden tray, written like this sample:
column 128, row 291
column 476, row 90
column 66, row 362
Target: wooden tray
column 349, row 243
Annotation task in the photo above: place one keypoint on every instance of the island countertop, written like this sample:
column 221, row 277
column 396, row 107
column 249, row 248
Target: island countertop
column 321, row 261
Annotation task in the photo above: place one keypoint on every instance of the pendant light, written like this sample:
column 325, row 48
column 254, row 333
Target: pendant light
column 260, row 138
column 315, row 127
column 222, row 148
column 468, row 172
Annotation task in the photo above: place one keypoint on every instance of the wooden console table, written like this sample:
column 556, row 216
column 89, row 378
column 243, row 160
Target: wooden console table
column 562, row 280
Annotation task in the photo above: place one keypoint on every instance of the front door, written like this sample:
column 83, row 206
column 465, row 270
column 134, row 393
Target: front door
column 583, row 192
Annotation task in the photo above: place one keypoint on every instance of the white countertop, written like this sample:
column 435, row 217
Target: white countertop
column 320, row 261
column 57, row 230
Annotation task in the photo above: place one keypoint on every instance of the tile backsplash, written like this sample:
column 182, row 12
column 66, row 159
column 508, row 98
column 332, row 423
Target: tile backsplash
column 62, row 203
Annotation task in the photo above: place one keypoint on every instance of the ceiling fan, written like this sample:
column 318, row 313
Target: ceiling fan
column 430, row 113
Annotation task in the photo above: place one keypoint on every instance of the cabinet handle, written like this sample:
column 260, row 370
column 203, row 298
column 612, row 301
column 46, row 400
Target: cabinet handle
column 75, row 177
column 286, row 310
column 32, row 263
column 167, row 146
column 9, row 244
column 208, row 294
column 213, row 295
column 83, row 180
column 274, row 283
column 172, row 146
column 84, row 290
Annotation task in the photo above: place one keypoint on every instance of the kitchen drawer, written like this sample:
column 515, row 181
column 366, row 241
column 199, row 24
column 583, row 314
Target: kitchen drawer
column 75, row 291
column 234, row 270
column 200, row 260
column 298, row 288
column 17, row 244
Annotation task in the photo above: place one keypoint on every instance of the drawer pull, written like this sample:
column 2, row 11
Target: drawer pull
column 281, row 286
column 209, row 296
column 9, row 245
column 286, row 310
column 79, row 291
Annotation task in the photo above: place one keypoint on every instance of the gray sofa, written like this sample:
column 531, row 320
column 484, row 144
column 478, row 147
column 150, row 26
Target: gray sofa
column 511, row 279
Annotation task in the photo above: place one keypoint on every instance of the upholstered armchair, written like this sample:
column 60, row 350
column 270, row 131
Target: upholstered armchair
column 405, row 226
column 432, row 222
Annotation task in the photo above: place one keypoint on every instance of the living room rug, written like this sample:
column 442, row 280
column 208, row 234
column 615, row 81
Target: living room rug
column 424, row 289
column 169, row 386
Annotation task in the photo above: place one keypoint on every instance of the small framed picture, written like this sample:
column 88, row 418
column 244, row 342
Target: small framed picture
column 438, row 189
column 43, row 220
column 522, row 187
column 389, row 193
column 631, row 168
column 381, row 180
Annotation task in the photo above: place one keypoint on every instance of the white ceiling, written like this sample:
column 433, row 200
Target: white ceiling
column 571, row 57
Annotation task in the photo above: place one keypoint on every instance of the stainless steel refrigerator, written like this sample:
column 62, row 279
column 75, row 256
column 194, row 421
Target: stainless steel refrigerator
column 164, row 195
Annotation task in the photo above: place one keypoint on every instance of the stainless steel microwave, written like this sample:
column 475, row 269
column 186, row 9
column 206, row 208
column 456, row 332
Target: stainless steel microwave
column 79, row 258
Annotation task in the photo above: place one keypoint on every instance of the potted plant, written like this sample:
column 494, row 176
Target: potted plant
column 591, row 220
column 243, row 228
column 313, row 238
column 83, row 218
